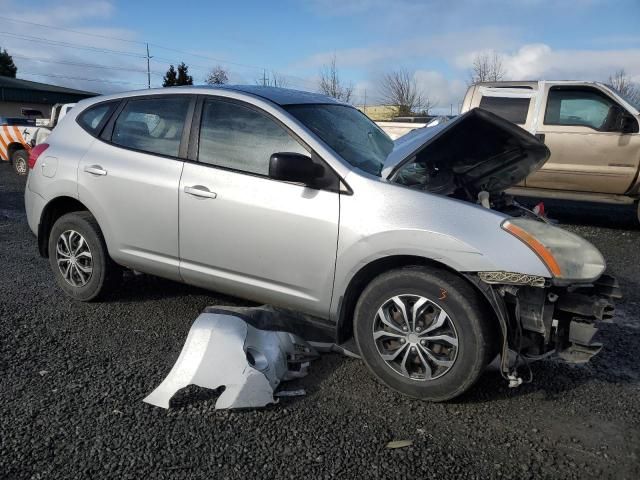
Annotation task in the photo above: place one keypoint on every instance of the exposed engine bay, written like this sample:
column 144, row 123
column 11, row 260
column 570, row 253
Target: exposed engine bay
column 474, row 158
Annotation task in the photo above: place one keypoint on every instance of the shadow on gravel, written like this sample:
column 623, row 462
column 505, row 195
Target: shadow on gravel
column 622, row 217
column 615, row 365
column 138, row 287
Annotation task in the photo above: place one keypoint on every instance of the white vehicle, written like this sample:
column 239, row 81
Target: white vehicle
column 18, row 136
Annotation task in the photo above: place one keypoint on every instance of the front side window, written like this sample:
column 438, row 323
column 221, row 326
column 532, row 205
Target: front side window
column 152, row 125
column 92, row 118
column 240, row 138
column 349, row 132
column 513, row 109
column 579, row 107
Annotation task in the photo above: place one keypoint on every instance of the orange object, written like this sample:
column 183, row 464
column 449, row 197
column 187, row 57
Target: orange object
column 543, row 252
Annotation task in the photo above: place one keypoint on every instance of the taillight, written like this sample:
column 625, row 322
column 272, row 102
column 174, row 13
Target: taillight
column 35, row 153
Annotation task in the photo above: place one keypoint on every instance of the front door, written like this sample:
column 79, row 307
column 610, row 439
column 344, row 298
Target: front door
column 248, row 235
column 587, row 153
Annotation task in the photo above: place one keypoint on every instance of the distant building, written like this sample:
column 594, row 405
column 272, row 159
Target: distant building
column 379, row 113
column 23, row 98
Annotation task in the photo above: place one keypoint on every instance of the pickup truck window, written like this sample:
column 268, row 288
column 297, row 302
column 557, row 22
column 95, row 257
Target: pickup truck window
column 583, row 107
column 513, row 109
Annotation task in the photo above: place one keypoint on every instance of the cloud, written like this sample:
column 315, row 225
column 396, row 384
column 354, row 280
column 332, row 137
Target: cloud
column 541, row 61
column 63, row 57
column 443, row 92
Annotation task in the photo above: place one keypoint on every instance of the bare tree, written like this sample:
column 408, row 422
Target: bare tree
column 273, row 79
column 487, row 68
column 400, row 88
column 331, row 85
column 218, row 76
column 623, row 84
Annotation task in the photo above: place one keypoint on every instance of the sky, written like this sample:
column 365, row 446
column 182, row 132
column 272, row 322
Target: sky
column 100, row 45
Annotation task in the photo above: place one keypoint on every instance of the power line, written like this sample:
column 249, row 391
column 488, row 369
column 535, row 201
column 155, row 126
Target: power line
column 80, row 78
column 88, row 65
column 31, row 38
column 70, row 30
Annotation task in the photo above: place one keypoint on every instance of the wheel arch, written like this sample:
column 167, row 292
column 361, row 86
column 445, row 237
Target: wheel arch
column 56, row 208
column 357, row 284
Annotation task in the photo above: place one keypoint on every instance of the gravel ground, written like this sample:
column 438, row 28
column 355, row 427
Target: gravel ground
column 72, row 377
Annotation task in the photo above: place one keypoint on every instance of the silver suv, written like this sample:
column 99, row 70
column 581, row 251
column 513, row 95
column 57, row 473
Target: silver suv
column 296, row 200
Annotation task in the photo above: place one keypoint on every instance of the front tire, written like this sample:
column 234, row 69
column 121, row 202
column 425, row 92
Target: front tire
column 424, row 332
column 79, row 258
column 20, row 162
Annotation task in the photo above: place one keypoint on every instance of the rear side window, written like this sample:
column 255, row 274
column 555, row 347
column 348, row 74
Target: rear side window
column 240, row 138
column 513, row 109
column 93, row 118
column 152, row 125
column 579, row 107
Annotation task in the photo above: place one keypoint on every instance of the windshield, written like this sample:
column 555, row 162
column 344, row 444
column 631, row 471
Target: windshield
column 631, row 96
column 349, row 132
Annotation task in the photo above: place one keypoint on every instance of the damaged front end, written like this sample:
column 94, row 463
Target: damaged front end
column 539, row 319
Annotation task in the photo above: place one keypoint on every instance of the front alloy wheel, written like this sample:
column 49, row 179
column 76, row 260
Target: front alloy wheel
column 415, row 337
column 74, row 258
column 425, row 332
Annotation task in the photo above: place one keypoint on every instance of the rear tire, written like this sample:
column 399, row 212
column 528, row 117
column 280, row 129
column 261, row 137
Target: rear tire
column 432, row 362
column 20, row 162
column 79, row 258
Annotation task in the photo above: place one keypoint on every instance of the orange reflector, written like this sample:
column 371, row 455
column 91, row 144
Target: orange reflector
column 545, row 255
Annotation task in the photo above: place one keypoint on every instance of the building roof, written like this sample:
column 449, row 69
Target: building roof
column 19, row 90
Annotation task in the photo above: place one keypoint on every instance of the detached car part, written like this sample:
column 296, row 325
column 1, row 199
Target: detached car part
column 222, row 349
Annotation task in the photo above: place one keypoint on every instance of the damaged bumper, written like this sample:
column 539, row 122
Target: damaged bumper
column 539, row 319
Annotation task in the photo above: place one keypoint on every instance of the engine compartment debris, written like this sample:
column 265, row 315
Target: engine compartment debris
column 223, row 349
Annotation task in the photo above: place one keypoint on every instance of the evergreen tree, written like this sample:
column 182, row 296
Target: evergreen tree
column 7, row 67
column 183, row 75
column 171, row 78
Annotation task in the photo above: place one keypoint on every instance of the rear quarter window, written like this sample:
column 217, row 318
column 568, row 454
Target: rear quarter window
column 94, row 118
column 513, row 109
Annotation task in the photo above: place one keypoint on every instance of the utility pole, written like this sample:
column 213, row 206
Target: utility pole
column 365, row 102
column 148, row 68
column 264, row 77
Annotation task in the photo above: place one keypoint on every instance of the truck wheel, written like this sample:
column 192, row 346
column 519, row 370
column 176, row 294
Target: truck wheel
column 424, row 332
column 20, row 162
column 79, row 258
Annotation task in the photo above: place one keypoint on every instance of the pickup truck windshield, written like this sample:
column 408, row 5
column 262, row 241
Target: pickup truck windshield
column 349, row 132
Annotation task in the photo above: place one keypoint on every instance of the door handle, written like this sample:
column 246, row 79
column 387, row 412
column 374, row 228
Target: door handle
column 200, row 191
column 95, row 170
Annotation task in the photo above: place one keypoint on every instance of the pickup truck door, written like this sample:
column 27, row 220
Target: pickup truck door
column 577, row 123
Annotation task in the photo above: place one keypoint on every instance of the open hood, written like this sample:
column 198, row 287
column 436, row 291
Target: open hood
column 473, row 152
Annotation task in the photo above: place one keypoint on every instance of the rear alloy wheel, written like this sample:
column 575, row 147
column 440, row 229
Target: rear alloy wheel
column 74, row 259
column 20, row 162
column 79, row 258
column 424, row 332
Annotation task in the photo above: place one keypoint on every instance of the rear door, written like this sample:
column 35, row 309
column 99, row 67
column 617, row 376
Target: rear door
column 129, row 180
column 245, row 234
column 587, row 153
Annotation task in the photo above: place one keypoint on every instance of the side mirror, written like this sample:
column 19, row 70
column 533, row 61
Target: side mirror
column 294, row 167
column 628, row 123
